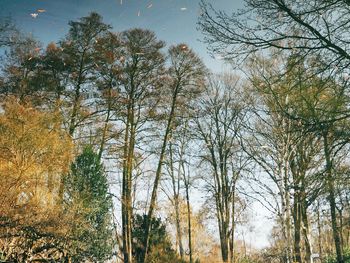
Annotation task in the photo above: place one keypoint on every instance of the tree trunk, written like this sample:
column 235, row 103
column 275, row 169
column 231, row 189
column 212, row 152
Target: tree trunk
column 232, row 241
column 297, row 227
column 189, row 223
column 158, row 175
column 287, row 222
column 320, row 252
column 129, row 142
column 306, row 232
column 105, row 126
column 224, row 246
column 176, row 203
column 331, row 198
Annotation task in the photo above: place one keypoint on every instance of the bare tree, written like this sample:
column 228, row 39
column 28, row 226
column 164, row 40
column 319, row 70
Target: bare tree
column 218, row 125
column 141, row 66
column 311, row 28
column 186, row 73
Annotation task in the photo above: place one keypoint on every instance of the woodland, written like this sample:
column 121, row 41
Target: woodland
column 117, row 147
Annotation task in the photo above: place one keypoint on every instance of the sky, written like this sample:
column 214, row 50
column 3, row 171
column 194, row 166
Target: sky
column 174, row 21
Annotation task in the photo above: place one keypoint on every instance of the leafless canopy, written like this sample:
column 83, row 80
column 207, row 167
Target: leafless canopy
column 316, row 27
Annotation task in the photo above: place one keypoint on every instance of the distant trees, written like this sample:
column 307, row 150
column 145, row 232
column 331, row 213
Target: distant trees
column 21, row 70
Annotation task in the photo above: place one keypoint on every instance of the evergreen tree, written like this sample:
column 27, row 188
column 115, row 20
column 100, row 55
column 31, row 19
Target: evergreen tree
column 160, row 247
column 89, row 204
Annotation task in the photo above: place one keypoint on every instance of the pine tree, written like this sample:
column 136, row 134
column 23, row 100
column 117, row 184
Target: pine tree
column 88, row 202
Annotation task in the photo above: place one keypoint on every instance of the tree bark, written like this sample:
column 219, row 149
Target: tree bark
column 189, row 223
column 297, row 227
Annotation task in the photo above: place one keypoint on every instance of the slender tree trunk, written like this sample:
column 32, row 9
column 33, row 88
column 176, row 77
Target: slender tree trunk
column 129, row 141
column 320, row 252
column 306, row 232
column 105, row 127
column 287, row 221
column 297, row 227
column 76, row 102
column 232, row 241
column 331, row 198
column 158, row 174
column 189, row 222
column 176, row 203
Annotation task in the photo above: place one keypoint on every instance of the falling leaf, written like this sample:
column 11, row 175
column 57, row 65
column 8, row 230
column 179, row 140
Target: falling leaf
column 184, row 47
column 40, row 10
column 121, row 2
column 139, row 13
column 30, row 58
column 183, row 8
column 34, row 15
column 150, row 5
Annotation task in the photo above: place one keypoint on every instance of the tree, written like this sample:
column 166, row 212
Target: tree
column 109, row 60
column 178, row 165
column 142, row 65
column 78, row 51
column 312, row 28
column 186, row 75
column 21, row 70
column 88, row 202
column 299, row 107
column 218, row 126
column 160, row 248
column 34, row 154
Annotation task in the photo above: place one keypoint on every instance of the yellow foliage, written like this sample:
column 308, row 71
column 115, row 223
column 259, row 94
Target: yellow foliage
column 34, row 153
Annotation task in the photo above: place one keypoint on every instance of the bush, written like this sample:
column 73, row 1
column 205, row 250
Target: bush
column 333, row 259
